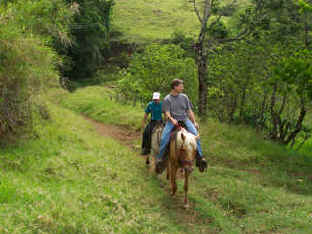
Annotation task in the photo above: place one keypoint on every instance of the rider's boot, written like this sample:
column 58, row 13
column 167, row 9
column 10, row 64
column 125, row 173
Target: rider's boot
column 144, row 151
column 160, row 165
column 201, row 163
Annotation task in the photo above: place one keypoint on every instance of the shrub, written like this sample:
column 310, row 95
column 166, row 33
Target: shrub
column 27, row 61
column 154, row 69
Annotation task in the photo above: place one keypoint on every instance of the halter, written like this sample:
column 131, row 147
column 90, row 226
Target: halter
column 183, row 162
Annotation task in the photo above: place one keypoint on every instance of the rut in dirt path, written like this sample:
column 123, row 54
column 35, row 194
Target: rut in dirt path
column 121, row 134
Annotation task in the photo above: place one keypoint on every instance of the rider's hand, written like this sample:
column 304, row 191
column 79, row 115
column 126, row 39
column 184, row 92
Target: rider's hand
column 174, row 122
column 143, row 126
column 196, row 126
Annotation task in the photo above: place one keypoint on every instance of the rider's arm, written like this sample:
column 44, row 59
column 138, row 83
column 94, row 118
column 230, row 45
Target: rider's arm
column 147, row 111
column 192, row 117
column 144, row 119
column 169, row 117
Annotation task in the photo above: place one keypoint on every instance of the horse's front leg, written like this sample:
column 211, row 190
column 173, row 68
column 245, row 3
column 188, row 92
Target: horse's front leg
column 168, row 170
column 186, row 173
column 173, row 173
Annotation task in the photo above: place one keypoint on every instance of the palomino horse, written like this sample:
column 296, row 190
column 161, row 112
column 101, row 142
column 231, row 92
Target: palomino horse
column 156, row 137
column 183, row 150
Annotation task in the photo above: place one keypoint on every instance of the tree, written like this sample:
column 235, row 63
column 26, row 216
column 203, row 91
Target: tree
column 90, row 31
column 209, row 37
column 154, row 69
column 265, row 80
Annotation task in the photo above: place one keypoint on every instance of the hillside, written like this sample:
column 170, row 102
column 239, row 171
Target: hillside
column 143, row 21
column 252, row 185
column 70, row 162
column 75, row 176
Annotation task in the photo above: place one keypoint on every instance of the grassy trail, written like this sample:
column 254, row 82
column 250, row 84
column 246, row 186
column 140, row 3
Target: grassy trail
column 131, row 139
column 121, row 134
column 73, row 177
column 252, row 185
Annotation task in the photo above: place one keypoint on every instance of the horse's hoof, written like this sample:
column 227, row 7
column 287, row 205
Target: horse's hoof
column 186, row 206
column 172, row 194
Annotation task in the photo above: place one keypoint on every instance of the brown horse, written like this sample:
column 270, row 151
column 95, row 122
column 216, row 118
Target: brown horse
column 183, row 149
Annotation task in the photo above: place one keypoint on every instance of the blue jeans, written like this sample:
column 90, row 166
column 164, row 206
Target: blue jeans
column 165, row 137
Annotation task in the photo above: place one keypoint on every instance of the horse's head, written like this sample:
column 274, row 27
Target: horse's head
column 156, row 137
column 187, row 149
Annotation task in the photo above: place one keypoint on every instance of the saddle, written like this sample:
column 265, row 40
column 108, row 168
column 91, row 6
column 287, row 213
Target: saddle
column 181, row 124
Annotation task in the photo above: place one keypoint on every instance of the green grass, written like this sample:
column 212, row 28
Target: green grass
column 71, row 180
column 143, row 21
column 68, row 179
column 96, row 102
column 252, row 185
column 148, row 20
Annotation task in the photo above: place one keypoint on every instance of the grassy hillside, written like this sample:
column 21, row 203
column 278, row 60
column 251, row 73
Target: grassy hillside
column 143, row 21
column 252, row 185
column 71, row 180
column 96, row 102
column 146, row 20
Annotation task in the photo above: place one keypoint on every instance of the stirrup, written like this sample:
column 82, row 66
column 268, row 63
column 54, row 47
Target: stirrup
column 160, row 166
column 201, row 163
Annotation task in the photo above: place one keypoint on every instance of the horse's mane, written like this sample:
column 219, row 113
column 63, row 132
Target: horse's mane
column 185, row 140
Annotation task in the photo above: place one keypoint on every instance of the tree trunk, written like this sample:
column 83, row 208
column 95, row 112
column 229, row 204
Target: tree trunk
column 202, row 87
column 299, row 122
column 273, row 114
column 242, row 104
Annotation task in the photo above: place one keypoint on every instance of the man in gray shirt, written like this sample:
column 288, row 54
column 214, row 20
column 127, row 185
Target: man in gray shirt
column 177, row 107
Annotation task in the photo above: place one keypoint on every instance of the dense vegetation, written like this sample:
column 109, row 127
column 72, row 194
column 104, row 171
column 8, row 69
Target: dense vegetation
column 43, row 42
column 253, row 66
column 28, row 63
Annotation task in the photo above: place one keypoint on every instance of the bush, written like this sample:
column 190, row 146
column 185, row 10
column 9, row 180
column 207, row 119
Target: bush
column 27, row 61
column 90, row 31
column 154, row 69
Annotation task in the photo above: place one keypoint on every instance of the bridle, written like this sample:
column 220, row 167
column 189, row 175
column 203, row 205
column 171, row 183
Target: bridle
column 183, row 162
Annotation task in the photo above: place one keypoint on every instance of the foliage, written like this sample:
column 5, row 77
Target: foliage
column 27, row 61
column 186, row 42
column 296, row 71
column 154, row 69
column 265, row 80
column 49, row 19
column 90, row 31
column 305, row 6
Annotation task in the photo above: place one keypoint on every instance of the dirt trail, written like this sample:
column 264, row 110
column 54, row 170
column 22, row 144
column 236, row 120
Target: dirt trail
column 124, row 136
column 121, row 134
